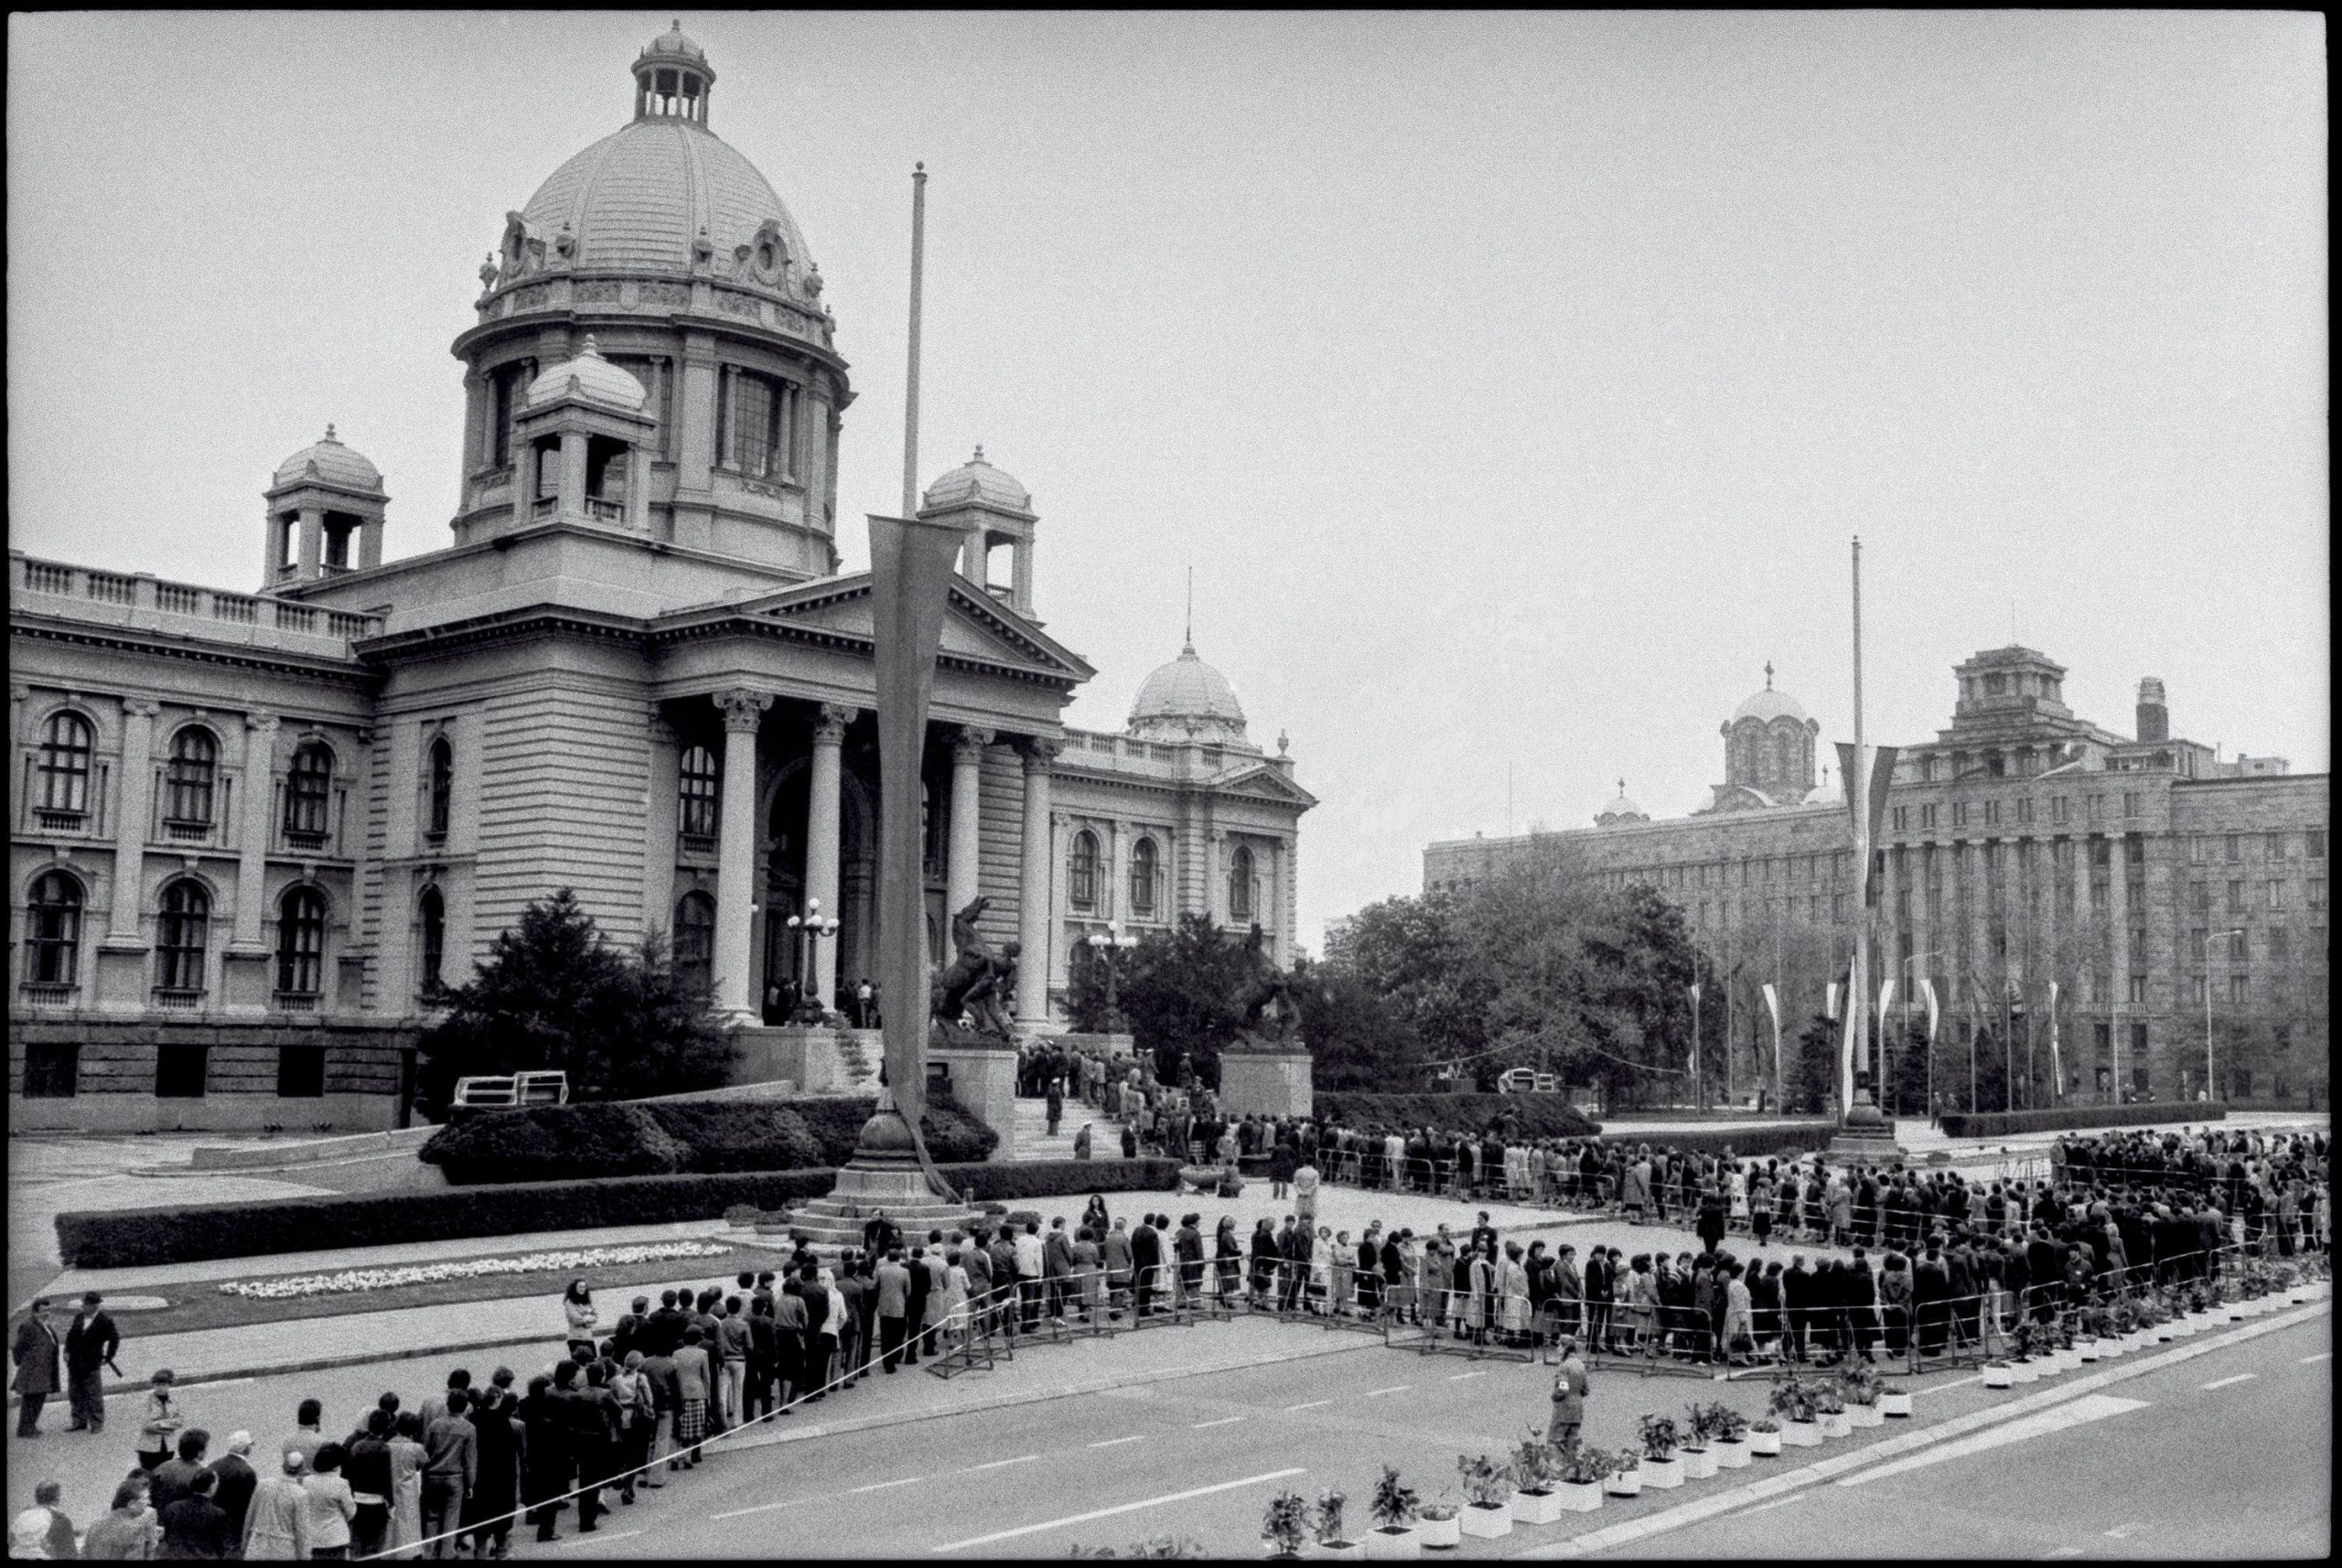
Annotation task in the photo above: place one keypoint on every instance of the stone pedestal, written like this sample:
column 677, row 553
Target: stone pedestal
column 884, row 1173
column 1264, row 1082
column 1866, row 1136
column 984, row 1084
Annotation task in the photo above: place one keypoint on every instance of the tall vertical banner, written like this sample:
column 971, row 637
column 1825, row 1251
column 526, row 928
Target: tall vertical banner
column 1773, row 1010
column 1885, row 1001
column 1695, row 1042
column 910, row 579
column 1927, row 990
column 2057, row 1067
column 1829, row 1000
column 1870, row 773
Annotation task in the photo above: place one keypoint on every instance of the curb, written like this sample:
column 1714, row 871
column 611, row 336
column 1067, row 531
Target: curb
column 328, row 1363
column 1905, row 1443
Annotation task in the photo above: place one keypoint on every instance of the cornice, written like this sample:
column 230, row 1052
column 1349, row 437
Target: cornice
column 163, row 644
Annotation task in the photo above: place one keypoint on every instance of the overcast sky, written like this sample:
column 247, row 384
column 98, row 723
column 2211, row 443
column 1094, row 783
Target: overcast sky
column 1513, row 383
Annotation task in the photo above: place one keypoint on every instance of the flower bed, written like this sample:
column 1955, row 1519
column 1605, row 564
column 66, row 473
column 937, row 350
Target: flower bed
column 349, row 1280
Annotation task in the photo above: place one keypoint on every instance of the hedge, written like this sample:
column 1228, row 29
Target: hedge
column 1542, row 1115
column 140, row 1237
column 2001, row 1124
column 700, row 1137
column 1746, row 1143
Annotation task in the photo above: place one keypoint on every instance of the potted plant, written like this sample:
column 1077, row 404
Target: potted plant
column 1699, row 1458
column 1859, row 1387
column 1894, row 1400
column 1327, row 1520
column 2020, row 1361
column 1537, row 1472
column 1584, row 1470
column 1625, row 1476
column 1731, row 1438
column 1765, row 1436
column 1792, row 1404
column 1660, row 1467
column 1998, row 1374
column 1286, row 1524
column 1488, row 1496
column 1829, row 1407
column 1393, row 1506
column 1436, row 1522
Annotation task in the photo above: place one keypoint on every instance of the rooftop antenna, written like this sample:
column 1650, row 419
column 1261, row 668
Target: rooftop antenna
column 1189, row 645
column 910, row 378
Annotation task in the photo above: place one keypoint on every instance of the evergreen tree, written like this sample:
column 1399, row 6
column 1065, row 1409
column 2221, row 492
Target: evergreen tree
column 1179, row 993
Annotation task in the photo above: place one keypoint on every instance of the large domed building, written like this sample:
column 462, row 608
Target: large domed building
column 259, row 832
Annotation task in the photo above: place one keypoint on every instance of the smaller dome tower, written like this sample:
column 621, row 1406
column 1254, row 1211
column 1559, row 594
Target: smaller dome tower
column 1620, row 812
column 326, row 510
column 673, row 78
column 1188, row 699
column 582, row 443
column 996, row 510
column 1769, row 751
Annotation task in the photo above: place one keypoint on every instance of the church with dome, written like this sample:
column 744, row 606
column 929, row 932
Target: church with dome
column 258, row 834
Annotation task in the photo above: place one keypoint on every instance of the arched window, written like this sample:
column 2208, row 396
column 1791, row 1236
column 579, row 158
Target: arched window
column 53, row 931
column 301, row 942
column 179, row 947
column 442, row 786
column 307, row 790
column 65, row 745
column 190, row 775
column 1081, row 889
column 1240, row 884
column 695, row 943
column 432, row 909
column 701, row 791
column 1143, row 879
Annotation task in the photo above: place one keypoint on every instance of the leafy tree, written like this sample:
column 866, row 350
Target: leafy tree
column 1414, row 956
column 1356, row 1038
column 554, row 994
column 1178, row 990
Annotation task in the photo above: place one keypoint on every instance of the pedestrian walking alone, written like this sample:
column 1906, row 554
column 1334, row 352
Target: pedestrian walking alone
column 1570, row 1389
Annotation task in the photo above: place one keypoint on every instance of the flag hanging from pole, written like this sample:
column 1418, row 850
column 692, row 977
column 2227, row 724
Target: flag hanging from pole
column 1829, row 1003
column 1927, row 990
column 2057, row 1067
column 1773, row 1009
column 1885, row 997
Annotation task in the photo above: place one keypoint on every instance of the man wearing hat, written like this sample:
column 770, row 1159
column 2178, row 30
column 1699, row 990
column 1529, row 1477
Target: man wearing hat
column 90, row 1344
column 1569, row 1396
column 35, row 1353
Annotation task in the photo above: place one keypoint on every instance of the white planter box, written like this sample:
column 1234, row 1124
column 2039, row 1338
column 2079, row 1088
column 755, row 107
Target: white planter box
column 2024, row 1371
column 2087, row 1349
column 1765, row 1443
column 1837, row 1424
column 1999, row 1377
column 2183, row 1326
column 1801, row 1434
column 1392, row 1545
column 1866, row 1414
column 1486, row 1523
column 1624, row 1484
column 2048, row 1365
column 1897, row 1404
column 1439, row 1533
column 1698, row 1464
column 1664, row 1474
column 1732, row 1453
column 1536, row 1508
column 1344, row 1551
column 1579, row 1496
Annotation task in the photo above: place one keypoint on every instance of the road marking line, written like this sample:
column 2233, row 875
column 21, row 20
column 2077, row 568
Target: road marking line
column 1120, row 1509
column 2063, row 1551
column 2224, row 1382
column 760, row 1507
column 1223, row 1421
column 599, row 1539
column 1117, row 1441
column 2089, row 1407
column 1459, row 1377
column 1959, row 1382
column 882, row 1486
column 2321, row 1356
column 1311, row 1404
column 1393, row 1389
column 998, row 1463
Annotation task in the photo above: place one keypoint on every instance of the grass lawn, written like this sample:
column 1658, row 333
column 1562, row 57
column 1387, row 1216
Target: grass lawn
column 201, row 1305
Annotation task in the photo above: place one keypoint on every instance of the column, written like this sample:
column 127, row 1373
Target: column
column 370, row 543
column 822, row 829
column 271, row 548
column 964, row 857
column 572, row 472
column 251, row 847
column 1215, row 879
column 136, row 795
column 1033, row 910
column 660, row 812
column 1020, row 592
column 735, row 867
column 1289, row 889
column 2118, row 941
column 1118, row 870
column 313, row 539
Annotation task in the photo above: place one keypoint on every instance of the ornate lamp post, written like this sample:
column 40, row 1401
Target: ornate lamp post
column 1110, row 949
column 810, row 927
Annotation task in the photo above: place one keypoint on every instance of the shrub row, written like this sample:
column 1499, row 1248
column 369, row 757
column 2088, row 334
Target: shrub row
column 697, row 1137
column 1542, row 1115
column 1756, row 1142
column 2001, row 1124
column 140, row 1237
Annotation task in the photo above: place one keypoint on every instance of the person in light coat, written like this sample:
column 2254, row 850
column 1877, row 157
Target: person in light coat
column 276, row 1525
column 1634, row 1194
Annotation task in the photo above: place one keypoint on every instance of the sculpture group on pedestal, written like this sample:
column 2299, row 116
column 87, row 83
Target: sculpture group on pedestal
column 969, row 1002
column 1266, row 997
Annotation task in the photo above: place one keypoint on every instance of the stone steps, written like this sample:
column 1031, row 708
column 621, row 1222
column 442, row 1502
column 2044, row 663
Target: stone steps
column 1033, row 1141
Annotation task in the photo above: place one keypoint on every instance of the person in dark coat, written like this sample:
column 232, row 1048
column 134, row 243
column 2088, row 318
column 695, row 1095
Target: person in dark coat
column 498, row 1443
column 1930, row 1295
column 238, row 1481
column 39, row 1357
column 1861, row 1301
column 1599, row 1285
column 545, row 1461
column 1710, row 1224
column 1796, row 1305
column 2042, row 1268
column 1146, row 1266
column 90, row 1344
column 1298, row 1245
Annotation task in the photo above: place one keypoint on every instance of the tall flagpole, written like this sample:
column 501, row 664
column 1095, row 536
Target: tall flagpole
column 910, row 378
column 1857, row 791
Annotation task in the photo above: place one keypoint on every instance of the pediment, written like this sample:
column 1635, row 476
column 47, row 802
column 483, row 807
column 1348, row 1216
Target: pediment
column 977, row 627
column 1265, row 783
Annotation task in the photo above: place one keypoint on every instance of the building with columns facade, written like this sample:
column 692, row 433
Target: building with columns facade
column 254, row 834
column 2145, row 877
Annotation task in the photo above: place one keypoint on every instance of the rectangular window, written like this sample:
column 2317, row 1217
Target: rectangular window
column 179, row 1072
column 2276, row 895
column 2281, row 1037
column 2239, row 946
column 2199, row 897
column 2097, row 807
column 2278, row 1088
column 2313, row 892
column 1928, row 818
column 2024, row 809
column 2314, row 844
column 2135, row 852
column 2138, row 942
column 2236, row 897
column 2240, row 990
column 2198, row 947
column 2134, row 803
column 2100, row 894
column 1902, row 819
column 2196, row 989
column 1992, row 812
column 2280, row 944
column 2138, row 991
column 2138, row 1068
column 300, row 1072
column 1837, row 905
column 2236, row 846
column 2101, row 852
column 2057, row 811
column 1960, row 813
column 52, row 1070
column 2276, row 846
column 760, row 425
column 2199, row 849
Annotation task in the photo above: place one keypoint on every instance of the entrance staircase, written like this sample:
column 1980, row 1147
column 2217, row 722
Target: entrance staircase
column 1033, row 1139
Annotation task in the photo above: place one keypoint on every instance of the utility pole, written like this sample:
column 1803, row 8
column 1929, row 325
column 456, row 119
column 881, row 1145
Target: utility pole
column 910, row 377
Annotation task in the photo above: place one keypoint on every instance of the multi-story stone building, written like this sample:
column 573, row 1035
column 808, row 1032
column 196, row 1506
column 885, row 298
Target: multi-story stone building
column 255, row 834
column 2162, row 890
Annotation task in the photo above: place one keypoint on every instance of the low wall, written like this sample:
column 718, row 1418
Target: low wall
column 207, row 1113
column 1266, row 1083
column 308, row 1151
column 110, row 1067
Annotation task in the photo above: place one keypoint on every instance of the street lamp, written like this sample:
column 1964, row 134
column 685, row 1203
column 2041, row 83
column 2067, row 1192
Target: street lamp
column 1108, row 950
column 810, row 927
column 2208, row 940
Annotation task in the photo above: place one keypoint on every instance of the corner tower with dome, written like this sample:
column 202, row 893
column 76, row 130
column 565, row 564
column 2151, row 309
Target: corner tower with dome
column 261, row 832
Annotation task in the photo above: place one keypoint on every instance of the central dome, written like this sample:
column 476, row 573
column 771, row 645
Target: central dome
column 1187, row 696
column 637, row 201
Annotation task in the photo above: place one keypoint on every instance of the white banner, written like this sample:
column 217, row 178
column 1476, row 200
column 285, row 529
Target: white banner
column 1773, row 1009
column 1927, row 990
column 1695, row 991
column 2057, row 1067
column 1830, row 1005
column 1886, row 998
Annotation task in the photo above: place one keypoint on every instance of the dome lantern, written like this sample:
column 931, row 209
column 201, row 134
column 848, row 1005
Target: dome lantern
column 1186, row 699
column 673, row 78
column 324, row 517
column 997, row 511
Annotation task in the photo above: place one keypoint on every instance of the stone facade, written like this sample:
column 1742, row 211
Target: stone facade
column 634, row 670
column 1998, row 876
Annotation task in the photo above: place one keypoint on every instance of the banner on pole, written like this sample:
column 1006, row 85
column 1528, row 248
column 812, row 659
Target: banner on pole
column 1830, row 1001
column 1773, row 1009
column 1886, row 998
column 2057, row 1066
column 1695, row 991
column 1927, row 990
